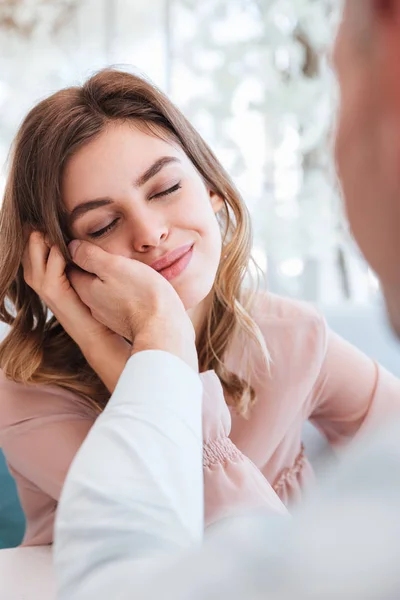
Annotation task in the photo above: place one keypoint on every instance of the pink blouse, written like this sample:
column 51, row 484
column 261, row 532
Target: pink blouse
column 314, row 374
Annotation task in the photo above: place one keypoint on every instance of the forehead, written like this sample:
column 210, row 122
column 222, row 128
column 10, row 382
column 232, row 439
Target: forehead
column 115, row 158
column 121, row 141
column 108, row 165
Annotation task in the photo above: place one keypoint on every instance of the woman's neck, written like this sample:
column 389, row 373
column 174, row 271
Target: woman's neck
column 198, row 314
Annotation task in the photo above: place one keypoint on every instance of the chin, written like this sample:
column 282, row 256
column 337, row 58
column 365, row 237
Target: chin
column 193, row 294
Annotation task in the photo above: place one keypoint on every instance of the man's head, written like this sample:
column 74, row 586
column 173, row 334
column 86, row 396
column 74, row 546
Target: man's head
column 367, row 61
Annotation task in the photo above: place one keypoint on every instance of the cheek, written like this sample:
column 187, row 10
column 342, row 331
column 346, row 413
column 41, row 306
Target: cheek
column 353, row 82
column 196, row 213
column 204, row 222
column 338, row 146
column 119, row 245
column 350, row 165
column 353, row 127
column 211, row 232
column 345, row 141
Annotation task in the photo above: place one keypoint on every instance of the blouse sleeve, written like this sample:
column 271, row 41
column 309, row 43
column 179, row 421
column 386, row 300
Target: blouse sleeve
column 352, row 392
column 41, row 430
column 232, row 483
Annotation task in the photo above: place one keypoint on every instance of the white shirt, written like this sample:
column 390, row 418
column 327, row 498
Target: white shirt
column 135, row 489
column 130, row 519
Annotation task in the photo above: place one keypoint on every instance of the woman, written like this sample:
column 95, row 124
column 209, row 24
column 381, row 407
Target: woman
column 116, row 164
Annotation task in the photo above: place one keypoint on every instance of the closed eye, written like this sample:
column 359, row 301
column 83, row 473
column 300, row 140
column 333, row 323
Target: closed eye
column 101, row 232
column 104, row 230
column 170, row 190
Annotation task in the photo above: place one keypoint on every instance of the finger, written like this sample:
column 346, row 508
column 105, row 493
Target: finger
column 55, row 267
column 91, row 258
column 83, row 284
column 26, row 264
column 35, row 258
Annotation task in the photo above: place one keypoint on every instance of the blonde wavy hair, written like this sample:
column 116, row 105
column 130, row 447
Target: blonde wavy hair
column 37, row 349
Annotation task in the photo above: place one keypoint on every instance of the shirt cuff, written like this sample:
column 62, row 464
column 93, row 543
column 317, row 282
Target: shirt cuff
column 157, row 378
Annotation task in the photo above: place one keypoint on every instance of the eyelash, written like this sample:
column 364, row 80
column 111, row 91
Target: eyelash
column 170, row 190
column 101, row 232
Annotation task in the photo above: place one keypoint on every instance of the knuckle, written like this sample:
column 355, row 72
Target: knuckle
column 55, row 251
column 36, row 238
column 88, row 255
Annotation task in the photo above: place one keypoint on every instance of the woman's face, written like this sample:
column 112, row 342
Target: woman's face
column 138, row 196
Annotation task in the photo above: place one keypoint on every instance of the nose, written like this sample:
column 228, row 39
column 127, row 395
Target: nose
column 149, row 230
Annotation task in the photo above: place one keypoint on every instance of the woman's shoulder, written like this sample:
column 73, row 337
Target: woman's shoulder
column 23, row 404
column 291, row 328
column 271, row 308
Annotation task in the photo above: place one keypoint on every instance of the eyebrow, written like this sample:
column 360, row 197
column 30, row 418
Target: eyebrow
column 155, row 168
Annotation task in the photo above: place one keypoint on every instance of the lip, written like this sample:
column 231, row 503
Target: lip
column 172, row 257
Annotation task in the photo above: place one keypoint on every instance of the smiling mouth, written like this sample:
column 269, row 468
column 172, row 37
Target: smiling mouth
column 169, row 259
column 174, row 263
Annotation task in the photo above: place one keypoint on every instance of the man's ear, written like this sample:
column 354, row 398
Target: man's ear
column 217, row 202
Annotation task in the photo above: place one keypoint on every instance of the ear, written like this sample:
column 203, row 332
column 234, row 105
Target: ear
column 217, row 202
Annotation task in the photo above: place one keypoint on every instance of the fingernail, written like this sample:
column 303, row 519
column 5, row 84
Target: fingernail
column 73, row 247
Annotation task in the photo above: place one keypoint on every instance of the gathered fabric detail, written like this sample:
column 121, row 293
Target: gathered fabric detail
column 219, row 451
column 290, row 474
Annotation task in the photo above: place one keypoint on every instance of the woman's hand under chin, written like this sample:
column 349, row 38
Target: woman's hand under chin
column 44, row 271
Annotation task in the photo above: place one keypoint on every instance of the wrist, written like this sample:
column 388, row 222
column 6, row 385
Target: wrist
column 168, row 336
column 107, row 356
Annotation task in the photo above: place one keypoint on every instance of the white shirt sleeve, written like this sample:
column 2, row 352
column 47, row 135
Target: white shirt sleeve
column 132, row 510
column 134, row 493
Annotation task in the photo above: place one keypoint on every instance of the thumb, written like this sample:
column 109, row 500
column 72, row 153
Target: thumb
column 90, row 258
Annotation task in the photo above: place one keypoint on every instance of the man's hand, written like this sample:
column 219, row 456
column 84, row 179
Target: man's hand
column 133, row 300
